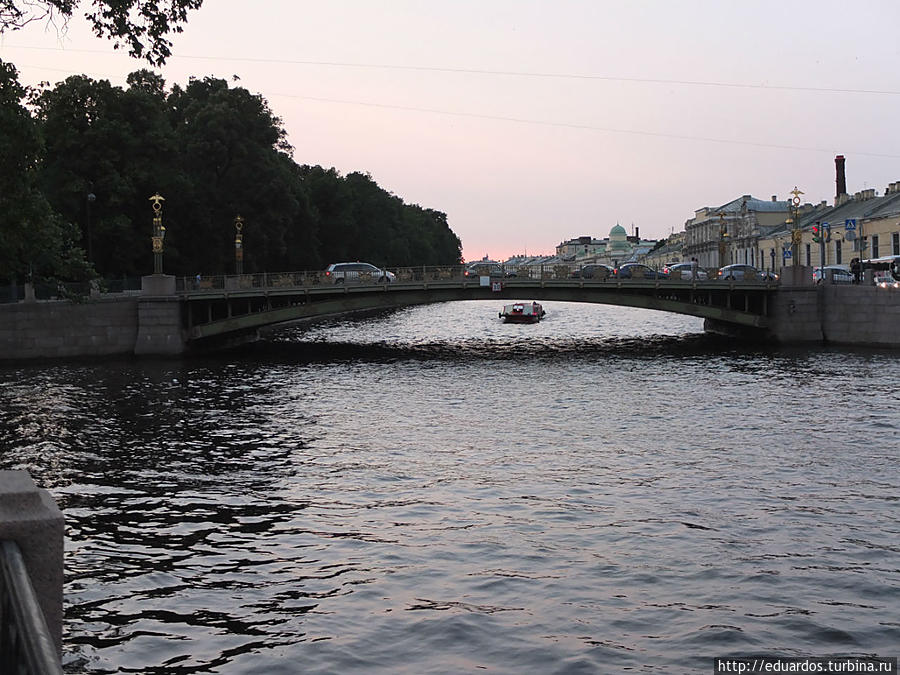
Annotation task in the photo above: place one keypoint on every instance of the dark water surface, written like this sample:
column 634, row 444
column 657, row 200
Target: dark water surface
column 431, row 491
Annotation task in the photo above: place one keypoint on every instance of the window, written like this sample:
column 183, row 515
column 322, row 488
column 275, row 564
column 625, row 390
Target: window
column 895, row 243
column 808, row 256
column 874, row 245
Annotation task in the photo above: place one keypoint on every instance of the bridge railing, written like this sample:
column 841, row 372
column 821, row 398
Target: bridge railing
column 427, row 274
column 79, row 291
column 26, row 645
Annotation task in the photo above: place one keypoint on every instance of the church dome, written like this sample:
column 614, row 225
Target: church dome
column 618, row 239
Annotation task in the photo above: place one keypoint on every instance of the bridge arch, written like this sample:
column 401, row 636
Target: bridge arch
column 209, row 315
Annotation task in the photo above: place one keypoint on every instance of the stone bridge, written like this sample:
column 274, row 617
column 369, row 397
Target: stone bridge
column 172, row 316
column 228, row 309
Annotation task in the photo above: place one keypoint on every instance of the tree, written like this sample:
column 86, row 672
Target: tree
column 214, row 152
column 141, row 25
column 114, row 144
column 234, row 153
column 34, row 241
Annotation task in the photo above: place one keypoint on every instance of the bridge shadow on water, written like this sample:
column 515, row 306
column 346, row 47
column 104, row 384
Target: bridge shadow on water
column 472, row 349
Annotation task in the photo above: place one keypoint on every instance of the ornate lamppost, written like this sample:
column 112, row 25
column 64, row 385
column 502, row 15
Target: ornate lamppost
column 796, row 232
column 159, row 233
column 238, row 246
column 723, row 237
column 89, row 199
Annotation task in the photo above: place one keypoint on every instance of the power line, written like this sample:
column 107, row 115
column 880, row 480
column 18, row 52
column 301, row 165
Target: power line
column 569, row 125
column 549, row 123
column 503, row 73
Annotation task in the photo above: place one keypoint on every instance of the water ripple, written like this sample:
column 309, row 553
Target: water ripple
column 432, row 491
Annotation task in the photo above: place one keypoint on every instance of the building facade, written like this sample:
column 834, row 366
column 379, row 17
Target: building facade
column 727, row 234
column 619, row 247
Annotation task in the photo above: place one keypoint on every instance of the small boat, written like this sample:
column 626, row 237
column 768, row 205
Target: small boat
column 522, row 312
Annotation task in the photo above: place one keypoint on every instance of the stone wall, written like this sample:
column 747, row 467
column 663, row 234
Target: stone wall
column 54, row 329
column 861, row 315
column 159, row 327
column 843, row 314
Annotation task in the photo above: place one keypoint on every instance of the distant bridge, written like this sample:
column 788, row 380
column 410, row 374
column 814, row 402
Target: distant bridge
column 231, row 306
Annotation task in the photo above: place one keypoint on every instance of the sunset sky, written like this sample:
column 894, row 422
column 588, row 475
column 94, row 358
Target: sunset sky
column 530, row 122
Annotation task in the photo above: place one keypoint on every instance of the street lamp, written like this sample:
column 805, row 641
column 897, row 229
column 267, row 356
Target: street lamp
column 90, row 198
column 796, row 233
column 159, row 233
column 238, row 245
column 723, row 234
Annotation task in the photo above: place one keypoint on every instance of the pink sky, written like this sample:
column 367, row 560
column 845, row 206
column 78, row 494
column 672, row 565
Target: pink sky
column 531, row 122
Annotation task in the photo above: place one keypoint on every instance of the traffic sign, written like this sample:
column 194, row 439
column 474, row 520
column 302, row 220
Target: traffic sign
column 850, row 224
column 786, row 253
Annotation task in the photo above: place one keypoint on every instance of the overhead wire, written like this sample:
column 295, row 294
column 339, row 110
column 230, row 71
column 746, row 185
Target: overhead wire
column 504, row 73
column 520, row 120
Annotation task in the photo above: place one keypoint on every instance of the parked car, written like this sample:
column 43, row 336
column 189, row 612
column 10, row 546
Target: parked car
column 841, row 273
column 685, row 270
column 340, row 273
column 740, row 273
column 485, row 269
column 639, row 271
column 593, row 271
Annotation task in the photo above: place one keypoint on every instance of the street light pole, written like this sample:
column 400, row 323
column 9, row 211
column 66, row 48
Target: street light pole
column 159, row 233
column 238, row 246
column 723, row 234
column 796, row 232
column 90, row 198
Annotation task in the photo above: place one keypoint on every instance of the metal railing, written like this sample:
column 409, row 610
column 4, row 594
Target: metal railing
column 309, row 279
column 26, row 647
column 442, row 273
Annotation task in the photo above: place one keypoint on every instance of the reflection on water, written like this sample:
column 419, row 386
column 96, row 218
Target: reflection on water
column 434, row 491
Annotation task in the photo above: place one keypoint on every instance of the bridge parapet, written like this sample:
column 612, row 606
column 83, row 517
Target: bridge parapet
column 30, row 518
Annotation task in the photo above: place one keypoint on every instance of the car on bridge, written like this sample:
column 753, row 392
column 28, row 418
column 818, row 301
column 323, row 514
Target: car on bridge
column 487, row 269
column 339, row 273
column 685, row 270
column 639, row 271
column 593, row 271
column 740, row 272
column 842, row 274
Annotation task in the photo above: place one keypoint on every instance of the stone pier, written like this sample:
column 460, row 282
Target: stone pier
column 159, row 318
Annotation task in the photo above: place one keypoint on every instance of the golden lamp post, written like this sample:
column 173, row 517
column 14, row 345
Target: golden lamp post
column 723, row 239
column 159, row 233
column 796, row 232
column 238, row 246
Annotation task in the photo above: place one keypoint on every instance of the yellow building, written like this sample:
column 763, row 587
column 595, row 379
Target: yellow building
column 863, row 226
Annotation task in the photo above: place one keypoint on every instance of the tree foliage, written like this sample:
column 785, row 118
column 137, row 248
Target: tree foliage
column 33, row 239
column 140, row 25
column 214, row 152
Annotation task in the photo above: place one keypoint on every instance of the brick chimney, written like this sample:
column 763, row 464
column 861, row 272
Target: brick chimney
column 840, row 177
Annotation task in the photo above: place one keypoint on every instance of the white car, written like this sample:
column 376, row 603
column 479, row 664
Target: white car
column 339, row 273
column 685, row 270
column 842, row 274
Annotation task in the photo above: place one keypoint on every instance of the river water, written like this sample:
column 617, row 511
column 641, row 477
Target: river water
column 432, row 491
